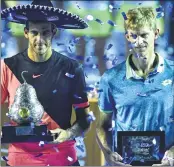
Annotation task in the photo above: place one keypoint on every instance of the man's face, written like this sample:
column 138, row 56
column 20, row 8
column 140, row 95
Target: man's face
column 142, row 40
column 40, row 37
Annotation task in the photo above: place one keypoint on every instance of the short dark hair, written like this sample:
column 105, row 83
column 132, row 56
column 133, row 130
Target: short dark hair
column 53, row 26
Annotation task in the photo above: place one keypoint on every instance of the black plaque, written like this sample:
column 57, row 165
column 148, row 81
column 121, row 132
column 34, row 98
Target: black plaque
column 141, row 148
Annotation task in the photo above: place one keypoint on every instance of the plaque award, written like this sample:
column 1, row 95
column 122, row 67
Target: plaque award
column 141, row 148
column 26, row 113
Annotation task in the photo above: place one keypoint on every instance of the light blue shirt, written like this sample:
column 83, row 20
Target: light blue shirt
column 140, row 104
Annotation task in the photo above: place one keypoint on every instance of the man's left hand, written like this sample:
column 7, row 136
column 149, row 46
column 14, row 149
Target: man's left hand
column 168, row 159
column 60, row 135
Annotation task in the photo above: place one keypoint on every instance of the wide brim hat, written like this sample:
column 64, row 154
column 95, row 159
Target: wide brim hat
column 43, row 10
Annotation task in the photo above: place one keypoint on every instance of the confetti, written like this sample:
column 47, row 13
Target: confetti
column 91, row 117
column 114, row 61
column 105, row 58
column 162, row 128
column 40, row 154
column 69, row 49
column 56, row 149
column 111, row 23
column 78, row 97
column 99, row 21
column 59, row 44
column 94, row 66
column 113, row 124
column 111, row 7
column 124, row 15
column 2, row 45
column 32, row 125
column 167, row 82
column 159, row 9
column 77, row 5
column 69, row 75
column 109, row 46
column 88, row 58
column 110, row 129
column 154, row 141
column 89, row 17
column 43, row 134
column 41, row 143
column 76, row 40
column 80, row 147
column 142, row 95
column 100, row 90
column 134, row 36
column 159, row 15
column 4, row 158
column 69, row 159
column 55, row 90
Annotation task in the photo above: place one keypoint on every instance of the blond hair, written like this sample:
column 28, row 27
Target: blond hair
column 140, row 17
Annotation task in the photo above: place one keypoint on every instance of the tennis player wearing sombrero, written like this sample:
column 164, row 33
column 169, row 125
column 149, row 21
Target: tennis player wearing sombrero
column 58, row 80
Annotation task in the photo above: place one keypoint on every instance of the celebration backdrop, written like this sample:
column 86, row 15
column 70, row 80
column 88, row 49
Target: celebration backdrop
column 99, row 47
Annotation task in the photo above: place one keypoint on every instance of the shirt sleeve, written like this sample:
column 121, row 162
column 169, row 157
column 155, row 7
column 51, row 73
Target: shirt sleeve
column 80, row 99
column 105, row 101
column 4, row 91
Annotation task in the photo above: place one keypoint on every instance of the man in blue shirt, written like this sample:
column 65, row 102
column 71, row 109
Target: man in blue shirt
column 138, row 92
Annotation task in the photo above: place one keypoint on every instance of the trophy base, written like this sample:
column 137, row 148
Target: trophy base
column 25, row 133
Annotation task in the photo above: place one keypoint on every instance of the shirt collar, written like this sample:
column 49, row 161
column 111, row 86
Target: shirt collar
column 131, row 73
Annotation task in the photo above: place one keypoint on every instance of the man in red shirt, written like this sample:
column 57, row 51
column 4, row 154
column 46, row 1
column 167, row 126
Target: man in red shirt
column 58, row 80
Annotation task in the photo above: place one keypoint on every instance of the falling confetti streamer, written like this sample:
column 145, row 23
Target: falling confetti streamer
column 100, row 90
column 142, row 95
column 159, row 9
column 80, row 147
column 162, row 128
column 4, row 158
column 69, row 159
column 56, row 149
column 41, row 143
column 159, row 15
column 94, row 66
column 54, row 91
column 69, row 75
column 77, row 97
column 99, row 21
column 134, row 36
column 88, row 58
column 109, row 46
column 77, row 5
column 124, row 15
column 70, row 49
column 91, row 117
column 114, row 61
column 89, row 17
column 110, row 22
column 59, row 44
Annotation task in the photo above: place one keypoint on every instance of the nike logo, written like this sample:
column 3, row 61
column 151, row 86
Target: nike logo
column 36, row 76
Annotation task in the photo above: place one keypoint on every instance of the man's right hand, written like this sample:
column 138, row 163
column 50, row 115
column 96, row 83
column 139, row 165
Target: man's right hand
column 113, row 159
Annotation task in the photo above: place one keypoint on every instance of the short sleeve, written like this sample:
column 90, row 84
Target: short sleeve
column 80, row 99
column 105, row 101
column 4, row 91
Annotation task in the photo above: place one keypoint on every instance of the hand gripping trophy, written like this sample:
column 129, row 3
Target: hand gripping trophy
column 27, row 112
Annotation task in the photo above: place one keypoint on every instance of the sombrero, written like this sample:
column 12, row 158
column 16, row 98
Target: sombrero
column 43, row 10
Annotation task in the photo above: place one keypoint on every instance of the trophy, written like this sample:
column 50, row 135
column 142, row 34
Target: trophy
column 26, row 112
